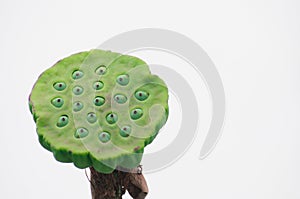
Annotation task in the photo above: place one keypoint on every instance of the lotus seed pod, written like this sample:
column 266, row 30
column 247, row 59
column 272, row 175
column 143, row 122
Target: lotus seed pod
column 98, row 109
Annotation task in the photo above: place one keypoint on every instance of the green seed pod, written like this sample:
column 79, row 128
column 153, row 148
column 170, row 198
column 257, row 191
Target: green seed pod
column 99, row 109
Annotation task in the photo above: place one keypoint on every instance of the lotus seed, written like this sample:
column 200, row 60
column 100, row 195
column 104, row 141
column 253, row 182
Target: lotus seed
column 123, row 79
column 136, row 113
column 141, row 95
column 112, row 118
column 91, row 117
column 59, row 86
column 104, row 137
column 101, row 70
column 77, row 90
column 62, row 121
column 98, row 85
column 81, row 133
column 77, row 74
column 77, row 106
column 99, row 101
column 121, row 99
column 125, row 131
column 57, row 102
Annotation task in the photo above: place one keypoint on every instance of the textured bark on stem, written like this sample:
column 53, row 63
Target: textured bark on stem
column 114, row 185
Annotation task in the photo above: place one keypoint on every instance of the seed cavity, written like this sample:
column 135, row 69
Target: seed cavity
column 57, row 102
column 112, row 118
column 77, row 90
column 98, row 85
column 62, row 121
column 81, row 133
column 77, row 74
column 77, row 106
column 119, row 98
column 141, row 95
column 101, row 70
column 136, row 113
column 104, row 137
column 91, row 117
column 99, row 101
column 125, row 131
column 123, row 79
column 59, row 86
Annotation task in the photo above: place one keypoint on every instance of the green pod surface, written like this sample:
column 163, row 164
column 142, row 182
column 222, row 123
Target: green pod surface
column 72, row 104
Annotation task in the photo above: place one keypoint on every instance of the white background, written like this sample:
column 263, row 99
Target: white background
column 255, row 46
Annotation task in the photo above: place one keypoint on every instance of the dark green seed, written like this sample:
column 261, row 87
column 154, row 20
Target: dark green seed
column 77, row 106
column 104, row 137
column 125, row 131
column 136, row 113
column 77, row 74
column 119, row 98
column 57, row 102
column 141, row 95
column 59, row 86
column 123, row 79
column 112, row 118
column 99, row 101
column 98, row 85
column 77, row 90
column 91, row 117
column 101, row 70
column 81, row 133
column 62, row 121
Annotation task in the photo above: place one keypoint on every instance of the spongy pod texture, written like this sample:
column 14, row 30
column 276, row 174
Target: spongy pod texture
column 99, row 109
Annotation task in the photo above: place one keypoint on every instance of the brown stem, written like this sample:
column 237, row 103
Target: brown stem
column 114, row 185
